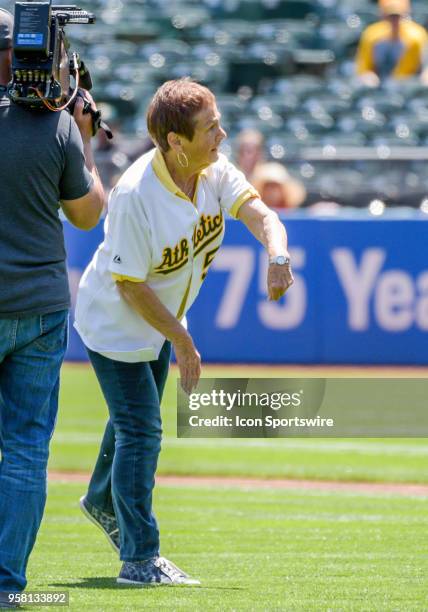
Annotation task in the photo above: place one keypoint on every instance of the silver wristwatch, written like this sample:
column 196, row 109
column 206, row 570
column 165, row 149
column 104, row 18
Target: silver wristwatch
column 280, row 260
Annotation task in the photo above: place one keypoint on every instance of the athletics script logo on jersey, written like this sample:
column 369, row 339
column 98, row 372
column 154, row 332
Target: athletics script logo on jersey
column 208, row 229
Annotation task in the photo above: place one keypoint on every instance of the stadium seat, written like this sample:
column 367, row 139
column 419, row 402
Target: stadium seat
column 283, row 146
column 393, row 140
column 339, row 139
column 368, row 121
column 184, row 16
column 226, row 33
column 384, row 102
column 410, row 125
column 256, row 63
column 300, row 85
column 249, row 10
column 420, row 13
column 312, row 61
column 325, row 103
column 165, row 53
column 338, row 184
column 367, row 12
column 126, row 99
column 277, row 104
column 115, row 50
column 232, row 107
column 288, row 9
column 137, row 71
column 340, row 38
column 267, row 126
column 310, row 131
column 339, row 87
column 139, row 32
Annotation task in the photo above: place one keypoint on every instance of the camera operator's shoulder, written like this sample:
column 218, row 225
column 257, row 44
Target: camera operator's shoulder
column 47, row 131
column 60, row 127
column 67, row 122
column 57, row 125
column 39, row 120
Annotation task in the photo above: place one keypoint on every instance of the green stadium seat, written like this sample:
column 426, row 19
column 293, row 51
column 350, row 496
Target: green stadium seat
column 282, row 146
column 166, row 52
column 339, row 139
column 312, row 61
column 114, row 50
column 140, row 32
column 340, row 38
column 257, row 63
column 288, row 9
column 249, row 10
column 381, row 101
column 226, row 33
column 268, row 125
column 232, row 104
column 367, row 121
column 302, row 86
column 292, row 32
column 214, row 77
column 279, row 104
column 393, row 140
column 305, row 127
column 367, row 11
column 326, row 103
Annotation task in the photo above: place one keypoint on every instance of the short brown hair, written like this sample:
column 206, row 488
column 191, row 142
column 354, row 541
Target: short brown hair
column 173, row 109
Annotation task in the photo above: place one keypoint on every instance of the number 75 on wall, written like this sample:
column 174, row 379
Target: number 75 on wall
column 242, row 263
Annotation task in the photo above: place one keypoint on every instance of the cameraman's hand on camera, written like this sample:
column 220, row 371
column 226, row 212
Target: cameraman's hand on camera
column 84, row 120
column 85, row 212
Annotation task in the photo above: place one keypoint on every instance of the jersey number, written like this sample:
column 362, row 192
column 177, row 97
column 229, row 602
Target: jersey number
column 209, row 258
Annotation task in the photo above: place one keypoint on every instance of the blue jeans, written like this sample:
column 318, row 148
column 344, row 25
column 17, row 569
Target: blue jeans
column 31, row 352
column 124, row 476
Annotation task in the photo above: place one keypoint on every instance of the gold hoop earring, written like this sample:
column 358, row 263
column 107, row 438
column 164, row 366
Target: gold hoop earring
column 182, row 159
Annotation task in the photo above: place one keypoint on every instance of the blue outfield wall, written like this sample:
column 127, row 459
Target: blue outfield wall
column 360, row 294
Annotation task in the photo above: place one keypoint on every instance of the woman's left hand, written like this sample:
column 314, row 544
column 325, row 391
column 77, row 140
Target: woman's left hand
column 280, row 278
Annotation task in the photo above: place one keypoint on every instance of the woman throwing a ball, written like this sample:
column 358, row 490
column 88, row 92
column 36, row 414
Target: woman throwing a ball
column 164, row 227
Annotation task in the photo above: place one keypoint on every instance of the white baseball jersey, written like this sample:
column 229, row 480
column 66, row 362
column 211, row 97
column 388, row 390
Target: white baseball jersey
column 154, row 233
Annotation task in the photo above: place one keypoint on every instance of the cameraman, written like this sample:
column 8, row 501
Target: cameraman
column 46, row 157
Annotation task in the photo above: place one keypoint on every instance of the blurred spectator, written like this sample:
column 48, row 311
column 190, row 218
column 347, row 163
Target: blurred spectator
column 277, row 188
column 249, row 151
column 394, row 47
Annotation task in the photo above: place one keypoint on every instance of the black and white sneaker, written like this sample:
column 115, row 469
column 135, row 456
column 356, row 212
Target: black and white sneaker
column 106, row 522
column 154, row 571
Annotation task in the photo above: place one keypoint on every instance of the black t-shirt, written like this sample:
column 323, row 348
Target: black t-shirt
column 41, row 162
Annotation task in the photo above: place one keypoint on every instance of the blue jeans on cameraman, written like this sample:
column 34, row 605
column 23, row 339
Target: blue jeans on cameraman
column 31, row 352
column 124, row 476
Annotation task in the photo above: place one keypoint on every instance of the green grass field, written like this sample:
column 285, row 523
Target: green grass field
column 252, row 549
column 83, row 414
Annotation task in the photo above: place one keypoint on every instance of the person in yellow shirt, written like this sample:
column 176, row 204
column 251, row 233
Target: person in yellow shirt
column 395, row 47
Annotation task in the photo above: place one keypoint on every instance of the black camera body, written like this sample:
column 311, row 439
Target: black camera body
column 41, row 66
